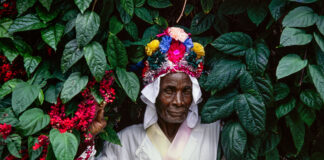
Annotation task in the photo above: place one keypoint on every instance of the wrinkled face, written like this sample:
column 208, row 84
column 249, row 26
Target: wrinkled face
column 175, row 97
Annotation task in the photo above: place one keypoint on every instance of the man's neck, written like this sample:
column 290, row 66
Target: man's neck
column 169, row 129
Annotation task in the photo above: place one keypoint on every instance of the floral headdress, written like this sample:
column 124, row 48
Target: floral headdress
column 175, row 53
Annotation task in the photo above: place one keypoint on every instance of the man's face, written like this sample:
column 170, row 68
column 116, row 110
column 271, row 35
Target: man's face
column 174, row 98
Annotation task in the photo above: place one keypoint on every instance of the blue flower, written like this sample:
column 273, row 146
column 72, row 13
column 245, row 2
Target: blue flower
column 165, row 44
column 188, row 43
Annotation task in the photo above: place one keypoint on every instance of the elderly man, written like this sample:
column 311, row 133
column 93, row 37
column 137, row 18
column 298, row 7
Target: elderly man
column 171, row 128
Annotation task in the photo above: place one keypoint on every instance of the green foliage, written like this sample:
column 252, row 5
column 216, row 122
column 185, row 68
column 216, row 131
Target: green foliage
column 65, row 145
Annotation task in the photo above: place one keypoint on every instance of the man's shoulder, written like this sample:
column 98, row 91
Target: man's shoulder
column 135, row 129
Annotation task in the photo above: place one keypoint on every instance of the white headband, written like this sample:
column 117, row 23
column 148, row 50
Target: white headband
column 151, row 91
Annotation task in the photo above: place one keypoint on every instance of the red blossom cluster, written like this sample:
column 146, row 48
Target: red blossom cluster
column 9, row 71
column 43, row 141
column 5, row 130
column 8, row 8
column 86, row 109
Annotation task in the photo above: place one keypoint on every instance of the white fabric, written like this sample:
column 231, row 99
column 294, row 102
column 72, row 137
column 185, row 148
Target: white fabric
column 151, row 91
column 202, row 144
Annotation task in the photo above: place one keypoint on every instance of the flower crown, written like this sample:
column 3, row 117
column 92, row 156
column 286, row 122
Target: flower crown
column 175, row 53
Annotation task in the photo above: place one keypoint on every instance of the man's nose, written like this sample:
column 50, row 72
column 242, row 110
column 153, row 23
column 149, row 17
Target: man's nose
column 178, row 99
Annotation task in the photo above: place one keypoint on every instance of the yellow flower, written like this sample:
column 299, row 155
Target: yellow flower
column 152, row 47
column 198, row 49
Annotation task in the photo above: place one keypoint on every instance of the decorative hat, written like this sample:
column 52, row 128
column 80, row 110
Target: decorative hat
column 174, row 52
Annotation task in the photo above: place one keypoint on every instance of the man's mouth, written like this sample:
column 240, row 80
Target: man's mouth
column 176, row 113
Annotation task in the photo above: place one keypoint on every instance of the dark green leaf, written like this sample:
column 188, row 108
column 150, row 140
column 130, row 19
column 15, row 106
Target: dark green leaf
column 277, row 8
column 96, row 59
column 248, row 85
column 124, row 16
column 285, row 108
column 7, row 116
column 290, row 64
column 32, row 121
column 320, row 24
column 304, row 1
column 53, row 35
column 203, row 40
column 86, row 26
column 188, row 9
column 115, row 26
column 251, row 113
column 297, row 130
column 5, row 24
column 319, row 56
column 257, row 58
column 223, row 73
column 8, row 87
column 151, row 32
column 300, row 17
column 230, row 7
column 46, row 4
column 159, row 3
column 201, row 23
column 129, row 82
column 319, row 40
column 318, row 79
column 14, row 145
column 128, row 6
column 265, row 88
column 271, row 140
column 41, row 97
column 253, row 147
column 24, row 5
column 110, row 135
column 139, row 3
column 234, row 43
column 137, row 55
column 312, row 99
column 132, row 30
column 52, row 92
column 41, row 75
column 26, row 23
column 233, row 140
column 273, row 155
column 207, row 5
column 293, row 36
column 257, row 12
column 71, row 55
column 82, row 4
column 31, row 63
column 144, row 14
column 65, row 145
column 72, row 86
column 46, row 15
column 218, row 107
column 306, row 114
column 70, row 14
column 69, row 26
column 116, row 52
column 281, row 91
column 161, row 21
column 23, row 96
column 33, row 154
column 10, row 52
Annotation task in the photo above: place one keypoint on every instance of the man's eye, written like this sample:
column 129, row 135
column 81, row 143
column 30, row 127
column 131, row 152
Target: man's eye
column 168, row 91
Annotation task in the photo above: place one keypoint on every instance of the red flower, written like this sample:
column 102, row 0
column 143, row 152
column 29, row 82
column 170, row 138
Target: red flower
column 5, row 130
column 176, row 51
column 42, row 142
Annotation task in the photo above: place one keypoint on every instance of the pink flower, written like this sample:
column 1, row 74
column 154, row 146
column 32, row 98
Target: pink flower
column 176, row 52
column 177, row 33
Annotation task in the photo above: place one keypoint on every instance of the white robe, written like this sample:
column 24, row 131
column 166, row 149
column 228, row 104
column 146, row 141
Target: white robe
column 136, row 145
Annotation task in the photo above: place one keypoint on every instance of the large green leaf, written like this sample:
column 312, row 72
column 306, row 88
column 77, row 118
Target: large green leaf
column 319, row 56
column 271, row 140
column 223, row 73
column 7, row 116
column 128, row 6
column 115, row 26
column 300, row 17
column 124, row 16
column 116, row 52
column 14, row 145
column 201, row 23
column 265, row 88
column 23, row 96
column 233, row 140
column 33, row 154
column 207, row 5
column 129, row 82
column 218, row 107
column 53, row 92
column 319, row 40
column 297, row 130
column 230, row 7
column 257, row 12
column 31, row 63
column 32, row 121
column 65, row 145
column 320, row 24
column 159, row 3
column 96, row 59
column 71, row 54
column 8, row 87
column 281, row 91
column 5, row 24
column 72, row 86
column 257, row 58
column 46, row 4
column 82, row 4
column 277, row 8
column 9, row 51
column 285, row 108
column 253, row 147
column 110, row 135
column 26, row 23
column 86, row 26
column 312, row 99
column 53, row 35
column 46, row 15
column 132, row 30
column 24, row 5
column 290, row 64
column 251, row 113
column 318, row 79
column 144, row 14
column 294, row 36
column 234, row 43
column 248, row 85
column 308, row 115
column 273, row 155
